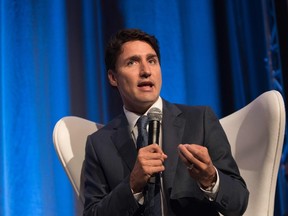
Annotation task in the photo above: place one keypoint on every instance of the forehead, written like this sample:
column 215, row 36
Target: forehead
column 131, row 48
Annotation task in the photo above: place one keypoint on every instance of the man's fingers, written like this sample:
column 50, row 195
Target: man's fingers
column 187, row 156
column 151, row 159
column 196, row 155
column 183, row 156
column 199, row 152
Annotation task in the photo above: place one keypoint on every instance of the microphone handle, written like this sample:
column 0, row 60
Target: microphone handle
column 153, row 132
column 153, row 137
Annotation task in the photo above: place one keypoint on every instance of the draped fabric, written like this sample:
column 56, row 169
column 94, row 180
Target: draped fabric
column 34, row 94
column 52, row 65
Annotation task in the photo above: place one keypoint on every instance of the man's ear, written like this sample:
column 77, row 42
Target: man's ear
column 112, row 77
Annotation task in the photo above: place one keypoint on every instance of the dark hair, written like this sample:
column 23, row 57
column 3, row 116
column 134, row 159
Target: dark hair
column 114, row 46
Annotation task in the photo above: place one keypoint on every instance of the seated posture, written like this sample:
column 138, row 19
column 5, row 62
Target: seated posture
column 187, row 170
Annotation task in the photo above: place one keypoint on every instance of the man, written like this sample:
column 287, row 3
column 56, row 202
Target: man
column 198, row 173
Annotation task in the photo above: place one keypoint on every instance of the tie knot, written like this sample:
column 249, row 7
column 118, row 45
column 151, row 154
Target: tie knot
column 142, row 122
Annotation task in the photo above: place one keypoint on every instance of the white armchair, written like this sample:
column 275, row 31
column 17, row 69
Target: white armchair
column 255, row 132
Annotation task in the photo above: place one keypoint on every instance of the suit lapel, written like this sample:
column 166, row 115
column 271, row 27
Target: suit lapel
column 124, row 142
column 173, row 128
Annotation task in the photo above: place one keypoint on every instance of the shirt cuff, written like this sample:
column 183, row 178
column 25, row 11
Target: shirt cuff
column 212, row 193
column 139, row 197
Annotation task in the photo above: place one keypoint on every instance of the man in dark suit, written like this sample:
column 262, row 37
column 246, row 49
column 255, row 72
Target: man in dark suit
column 198, row 173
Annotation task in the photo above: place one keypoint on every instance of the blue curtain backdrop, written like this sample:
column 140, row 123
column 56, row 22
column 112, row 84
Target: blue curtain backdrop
column 52, row 65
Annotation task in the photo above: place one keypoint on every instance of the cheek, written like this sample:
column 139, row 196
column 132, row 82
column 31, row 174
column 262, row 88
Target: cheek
column 126, row 82
column 159, row 78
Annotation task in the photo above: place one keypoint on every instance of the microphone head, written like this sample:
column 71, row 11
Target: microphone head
column 154, row 114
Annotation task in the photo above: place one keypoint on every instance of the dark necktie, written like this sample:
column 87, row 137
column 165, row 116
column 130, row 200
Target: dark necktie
column 152, row 197
column 142, row 139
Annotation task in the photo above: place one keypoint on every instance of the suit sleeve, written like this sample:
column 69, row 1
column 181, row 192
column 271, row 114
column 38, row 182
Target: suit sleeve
column 101, row 198
column 232, row 197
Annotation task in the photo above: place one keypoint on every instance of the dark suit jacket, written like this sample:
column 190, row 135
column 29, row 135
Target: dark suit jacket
column 111, row 154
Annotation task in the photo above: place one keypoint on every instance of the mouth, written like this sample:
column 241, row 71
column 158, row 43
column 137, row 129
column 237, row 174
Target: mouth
column 144, row 84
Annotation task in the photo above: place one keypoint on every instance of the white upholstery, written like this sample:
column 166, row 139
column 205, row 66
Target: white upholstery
column 69, row 137
column 255, row 132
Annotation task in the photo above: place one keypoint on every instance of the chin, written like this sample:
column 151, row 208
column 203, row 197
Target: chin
column 148, row 103
column 148, row 98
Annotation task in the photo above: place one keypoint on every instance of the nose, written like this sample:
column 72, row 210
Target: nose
column 145, row 70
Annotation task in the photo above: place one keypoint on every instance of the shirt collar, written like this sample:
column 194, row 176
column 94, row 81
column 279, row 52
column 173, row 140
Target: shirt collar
column 133, row 117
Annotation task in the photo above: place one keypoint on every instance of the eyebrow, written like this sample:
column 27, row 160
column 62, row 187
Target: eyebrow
column 152, row 56
column 137, row 57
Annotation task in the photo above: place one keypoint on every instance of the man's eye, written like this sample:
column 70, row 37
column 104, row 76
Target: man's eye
column 130, row 63
column 152, row 61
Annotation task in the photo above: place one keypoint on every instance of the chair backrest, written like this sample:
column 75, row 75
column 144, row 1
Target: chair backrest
column 256, row 134
column 69, row 138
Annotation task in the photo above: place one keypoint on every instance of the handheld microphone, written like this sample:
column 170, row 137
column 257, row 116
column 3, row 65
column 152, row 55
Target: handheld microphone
column 154, row 118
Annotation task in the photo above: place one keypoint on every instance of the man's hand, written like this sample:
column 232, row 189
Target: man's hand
column 149, row 161
column 198, row 163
